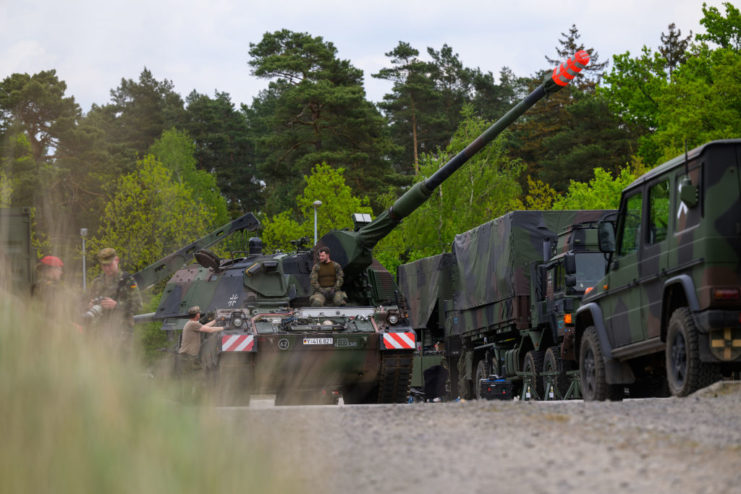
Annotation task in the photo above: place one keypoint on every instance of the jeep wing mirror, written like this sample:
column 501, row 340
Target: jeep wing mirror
column 606, row 237
column 688, row 192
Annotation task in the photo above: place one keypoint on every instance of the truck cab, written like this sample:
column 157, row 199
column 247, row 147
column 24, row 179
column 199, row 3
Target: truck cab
column 667, row 313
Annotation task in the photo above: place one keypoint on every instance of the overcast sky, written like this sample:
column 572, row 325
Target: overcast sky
column 203, row 45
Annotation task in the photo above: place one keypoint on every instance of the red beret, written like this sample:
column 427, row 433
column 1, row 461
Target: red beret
column 52, row 261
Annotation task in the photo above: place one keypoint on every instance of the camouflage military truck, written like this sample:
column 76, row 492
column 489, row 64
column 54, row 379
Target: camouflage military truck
column 668, row 311
column 17, row 256
column 275, row 342
column 502, row 300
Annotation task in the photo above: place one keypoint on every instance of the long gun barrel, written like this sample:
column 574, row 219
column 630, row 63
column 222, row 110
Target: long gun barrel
column 370, row 234
column 353, row 249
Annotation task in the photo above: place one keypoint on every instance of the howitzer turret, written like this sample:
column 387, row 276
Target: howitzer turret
column 354, row 249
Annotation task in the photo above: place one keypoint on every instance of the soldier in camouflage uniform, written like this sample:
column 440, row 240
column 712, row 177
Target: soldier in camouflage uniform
column 48, row 279
column 117, row 293
column 326, row 280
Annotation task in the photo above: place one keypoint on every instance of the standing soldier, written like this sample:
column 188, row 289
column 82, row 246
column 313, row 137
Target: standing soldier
column 48, row 286
column 114, row 299
column 48, row 279
column 326, row 280
column 189, row 353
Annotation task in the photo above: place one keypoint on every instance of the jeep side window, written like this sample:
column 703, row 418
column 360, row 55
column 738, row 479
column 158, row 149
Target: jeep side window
column 658, row 212
column 629, row 225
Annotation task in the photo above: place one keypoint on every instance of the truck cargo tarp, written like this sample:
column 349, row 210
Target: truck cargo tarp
column 419, row 282
column 494, row 259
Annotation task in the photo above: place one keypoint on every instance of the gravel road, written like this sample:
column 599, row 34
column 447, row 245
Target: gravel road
column 687, row 445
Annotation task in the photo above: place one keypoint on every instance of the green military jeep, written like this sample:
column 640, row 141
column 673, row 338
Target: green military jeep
column 668, row 311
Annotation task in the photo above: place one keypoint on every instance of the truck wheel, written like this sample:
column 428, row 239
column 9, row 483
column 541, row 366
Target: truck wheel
column 594, row 386
column 685, row 373
column 481, row 373
column 533, row 365
column 552, row 363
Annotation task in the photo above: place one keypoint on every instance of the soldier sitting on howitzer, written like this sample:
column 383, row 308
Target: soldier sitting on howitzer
column 326, row 280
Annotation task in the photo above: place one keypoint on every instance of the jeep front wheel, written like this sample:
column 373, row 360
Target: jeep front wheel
column 592, row 372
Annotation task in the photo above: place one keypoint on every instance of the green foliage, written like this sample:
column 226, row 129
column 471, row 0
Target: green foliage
column 325, row 184
column 36, row 106
column 701, row 104
column 19, row 170
column 35, row 118
column 140, row 111
column 540, row 195
column 6, row 189
column 153, row 341
column 314, row 111
column 570, row 131
column 175, row 150
column 280, row 230
column 673, row 97
column 424, row 107
column 601, row 192
column 591, row 136
column 150, row 215
column 221, row 135
column 723, row 31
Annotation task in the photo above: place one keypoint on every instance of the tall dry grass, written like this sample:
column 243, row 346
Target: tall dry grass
column 75, row 419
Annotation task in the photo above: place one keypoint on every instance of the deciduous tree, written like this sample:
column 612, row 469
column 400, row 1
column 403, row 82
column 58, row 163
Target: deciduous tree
column 314, row 111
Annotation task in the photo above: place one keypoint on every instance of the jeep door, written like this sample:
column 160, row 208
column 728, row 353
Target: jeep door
column 622, row 308
column 655, row 254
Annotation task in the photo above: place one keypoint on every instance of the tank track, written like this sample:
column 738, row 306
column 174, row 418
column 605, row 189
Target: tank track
column 395, row 376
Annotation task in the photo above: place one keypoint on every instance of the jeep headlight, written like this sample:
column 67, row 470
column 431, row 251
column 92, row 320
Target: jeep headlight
column 393, row 319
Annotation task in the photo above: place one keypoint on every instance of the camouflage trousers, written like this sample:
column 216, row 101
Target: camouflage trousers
column 320, row 298
column 186, row 365
column 465, row 374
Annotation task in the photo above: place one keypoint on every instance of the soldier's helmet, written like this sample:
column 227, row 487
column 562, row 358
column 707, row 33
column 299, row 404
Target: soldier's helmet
column 107, row 255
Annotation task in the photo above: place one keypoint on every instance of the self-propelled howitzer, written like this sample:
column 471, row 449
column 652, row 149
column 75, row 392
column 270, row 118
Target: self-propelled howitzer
column 353, row 249
column 274, row 342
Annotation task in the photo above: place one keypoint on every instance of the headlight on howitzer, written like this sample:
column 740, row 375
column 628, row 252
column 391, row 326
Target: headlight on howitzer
column 237, row 320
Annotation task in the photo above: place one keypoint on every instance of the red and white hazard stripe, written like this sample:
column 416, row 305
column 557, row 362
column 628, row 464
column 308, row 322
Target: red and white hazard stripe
column 237, row 343
column 398, row 341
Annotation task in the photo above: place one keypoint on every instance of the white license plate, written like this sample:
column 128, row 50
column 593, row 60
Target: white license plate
column 318, row 341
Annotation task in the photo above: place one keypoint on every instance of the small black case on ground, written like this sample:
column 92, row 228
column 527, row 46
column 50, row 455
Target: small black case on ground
column 496, row 389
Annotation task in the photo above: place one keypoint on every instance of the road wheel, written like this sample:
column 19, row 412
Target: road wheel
column 552, row 363
column 533, row 365
column 480, row 373
column 594, row 385
column 684, row 371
